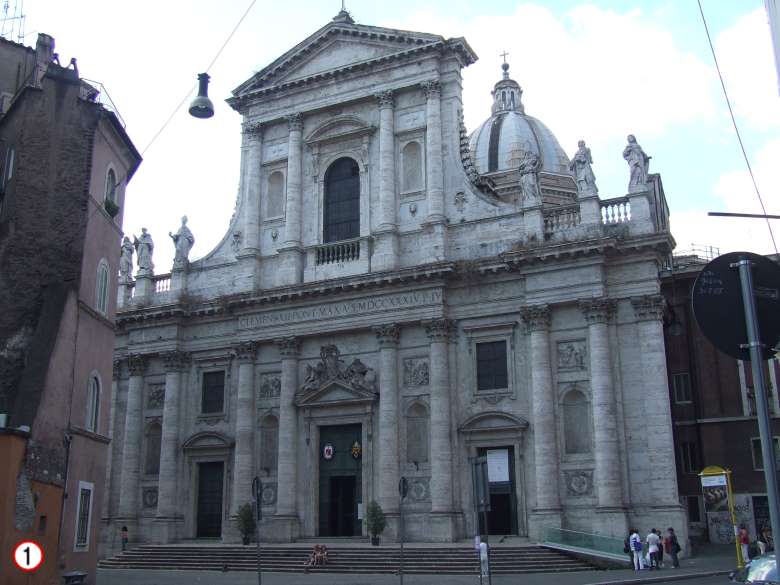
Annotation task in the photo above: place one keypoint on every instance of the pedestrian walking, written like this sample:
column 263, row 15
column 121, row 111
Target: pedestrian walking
column 744, row 541
column 124, row 538
column 672, row 547
column 636, row 548
column 660, row 548
column 653, row 542
column 761, row 541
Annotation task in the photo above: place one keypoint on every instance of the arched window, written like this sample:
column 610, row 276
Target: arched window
column 111, row 186
column 412, row 167
column 101, row 287
column 342, row 201
column 269, row 444
column 417, row 435
column 153, row 444
column 93, row 404
column 275, row 195
column 576, row 423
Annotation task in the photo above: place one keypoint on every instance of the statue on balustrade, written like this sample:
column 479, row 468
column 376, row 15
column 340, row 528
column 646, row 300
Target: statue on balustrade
column 580, row 165
column 183, row 241
column 529, row 175
column 638, row 165
column 126, row 261
column 144, row 247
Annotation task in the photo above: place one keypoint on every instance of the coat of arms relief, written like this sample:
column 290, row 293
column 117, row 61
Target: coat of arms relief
column 331, row 368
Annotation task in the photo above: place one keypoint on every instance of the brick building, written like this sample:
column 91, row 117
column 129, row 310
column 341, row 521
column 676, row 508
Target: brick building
column 65, row 160
column 713, row 410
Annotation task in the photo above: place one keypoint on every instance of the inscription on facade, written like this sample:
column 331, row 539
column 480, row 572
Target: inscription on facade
column 365, row 306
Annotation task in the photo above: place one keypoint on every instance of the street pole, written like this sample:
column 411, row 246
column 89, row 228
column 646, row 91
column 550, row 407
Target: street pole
column 256, row 491
column 403, row 488
column 759, row 385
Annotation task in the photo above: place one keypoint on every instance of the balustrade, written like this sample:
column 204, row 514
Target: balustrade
column 338, row 252
column 162, row 283
column 561, row 218
column 617, row 210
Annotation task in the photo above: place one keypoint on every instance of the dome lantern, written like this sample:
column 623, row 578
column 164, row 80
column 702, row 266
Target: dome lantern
column 507, row 94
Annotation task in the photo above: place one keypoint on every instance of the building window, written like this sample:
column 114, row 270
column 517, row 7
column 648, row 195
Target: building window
column 101, row 287
column 274, row 206
column 411, row 161
column 83, row 515
column 93, row 404
column 576, row 423
column 681, row 384
column 694, row 512
column 153, row 444
column 341, row 220
column 491, row 366
column 689, row 459
column 269, row 445
column 417, row 435
column 111, row 186
column 213, row 399
column 758, row 461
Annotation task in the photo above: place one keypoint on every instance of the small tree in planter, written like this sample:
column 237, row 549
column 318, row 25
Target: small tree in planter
column 246, row 523
column 375, row 521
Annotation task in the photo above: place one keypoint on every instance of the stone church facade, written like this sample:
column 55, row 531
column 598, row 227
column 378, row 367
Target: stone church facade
column 393, row 298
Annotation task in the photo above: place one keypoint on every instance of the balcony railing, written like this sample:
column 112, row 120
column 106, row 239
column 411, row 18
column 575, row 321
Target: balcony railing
column 338, row 252
column 616, row 210
column 162, row 283
column 561, row 218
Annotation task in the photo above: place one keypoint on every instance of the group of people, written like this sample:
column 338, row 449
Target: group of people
column 764, row 541
column 657, row 546
column 318, row 556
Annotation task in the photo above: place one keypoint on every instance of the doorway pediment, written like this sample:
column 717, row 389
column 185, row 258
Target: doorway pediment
column 335, row 392
column 207, row 440
column 494, row 421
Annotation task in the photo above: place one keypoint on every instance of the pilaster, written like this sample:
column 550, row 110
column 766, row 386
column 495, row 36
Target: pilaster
column 385, row 253
column 243, row 467
column 387, row 340
column 291, row 253
column 131, row 453
column 286, row 522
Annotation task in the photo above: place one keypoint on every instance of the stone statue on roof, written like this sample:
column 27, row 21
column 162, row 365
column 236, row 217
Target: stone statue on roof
column 638, row 165
column 580, row 165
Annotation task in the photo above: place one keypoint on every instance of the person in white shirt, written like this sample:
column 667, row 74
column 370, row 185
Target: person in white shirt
column 636, row 547
column 653, row 542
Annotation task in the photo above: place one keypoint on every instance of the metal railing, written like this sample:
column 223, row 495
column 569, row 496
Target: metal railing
column 100, row 96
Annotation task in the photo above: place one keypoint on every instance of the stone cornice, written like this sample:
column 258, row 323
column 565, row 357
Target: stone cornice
column 598, row 310
column 648, row 307
column 536, row 317
column 387, row 335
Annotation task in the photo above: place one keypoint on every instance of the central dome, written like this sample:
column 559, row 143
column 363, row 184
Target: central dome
column 501, row 142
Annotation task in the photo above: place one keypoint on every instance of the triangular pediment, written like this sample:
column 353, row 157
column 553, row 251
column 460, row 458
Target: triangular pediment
column 493, row 421
column 334, row 392
column 340, row 45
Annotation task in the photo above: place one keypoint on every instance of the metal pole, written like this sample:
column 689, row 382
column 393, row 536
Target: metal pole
column 759, row 384
column 401, row 534
column 256, row 489
column 730, row 492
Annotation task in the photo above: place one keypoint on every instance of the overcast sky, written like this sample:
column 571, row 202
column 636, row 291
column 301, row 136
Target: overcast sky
column 594, row 70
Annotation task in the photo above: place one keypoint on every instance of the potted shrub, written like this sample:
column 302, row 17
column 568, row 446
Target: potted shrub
column 246, row 523
column 375, row 521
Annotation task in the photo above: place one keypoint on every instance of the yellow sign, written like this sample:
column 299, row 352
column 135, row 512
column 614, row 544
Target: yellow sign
column 718, row 496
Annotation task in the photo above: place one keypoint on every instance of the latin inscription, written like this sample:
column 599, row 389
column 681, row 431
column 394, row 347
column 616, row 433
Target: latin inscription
column 342, row 309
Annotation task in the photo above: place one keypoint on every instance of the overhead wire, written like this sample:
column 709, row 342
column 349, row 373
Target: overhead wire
column 195, row 85
column 736, row 128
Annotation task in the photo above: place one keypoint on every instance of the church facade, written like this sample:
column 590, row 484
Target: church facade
column 394, row 298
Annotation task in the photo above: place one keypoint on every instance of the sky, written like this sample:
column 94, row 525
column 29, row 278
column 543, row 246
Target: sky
column 595, row 70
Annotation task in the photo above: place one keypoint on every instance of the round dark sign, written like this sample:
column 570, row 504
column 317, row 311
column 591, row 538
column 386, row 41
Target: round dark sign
column 718, row 308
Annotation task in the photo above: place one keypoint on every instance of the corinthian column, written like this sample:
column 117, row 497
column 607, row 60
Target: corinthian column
column 387, row 337
column 648, row 311
column 537, row 319
column 608, row 483
column 441, row 444
column 243, row 465
column 287, row 492
column 292, row 261
column 433, row 154
column 253, row 139
column 131, row 452
column 175, row 362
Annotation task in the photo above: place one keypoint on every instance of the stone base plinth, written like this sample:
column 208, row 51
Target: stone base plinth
column 290, row 266
column 283, row 529
column 167, row 529
column 610, row 521
column 179, row 279
column 541, row 519
column 443, row 526
column 391, row 533
column 248, row 270
column 384, row 255
column 144, row 287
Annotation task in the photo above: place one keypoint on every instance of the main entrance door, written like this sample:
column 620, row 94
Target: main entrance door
column 210, row 477
column 340, row 481
column 502, row 518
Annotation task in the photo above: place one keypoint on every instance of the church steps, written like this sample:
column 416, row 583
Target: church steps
column 428, row 560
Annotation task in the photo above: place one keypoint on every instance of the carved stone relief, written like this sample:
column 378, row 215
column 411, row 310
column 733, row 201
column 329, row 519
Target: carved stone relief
column 270, row 385
column 419, row 489
column 150, row 497
column 572, row 356
column 156, row 396
column 331, row 368
column 416, row 372
column 579, row 482
column 268, row 495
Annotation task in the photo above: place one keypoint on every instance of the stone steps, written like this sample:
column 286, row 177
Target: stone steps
column 345, row 559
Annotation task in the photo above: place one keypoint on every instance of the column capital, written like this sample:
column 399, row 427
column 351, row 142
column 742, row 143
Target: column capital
column 175, row 361
column 117, row 369
column 597, row 310
column 648, row 307
column 136, row 363
column 245, row 351
column 295, row 121
column 387, row 335
column 431, row 88
column 385, row 99
column 254, row 131
column 536, row 317
column 439, row 329
column 289, row 347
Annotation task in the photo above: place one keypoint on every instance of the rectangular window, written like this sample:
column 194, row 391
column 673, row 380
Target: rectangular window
column 681, row 384
column 688, row 457
column 213, row 392
column 694, row 513
column 758, row 461
column 83, row 515
column 491, row 366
